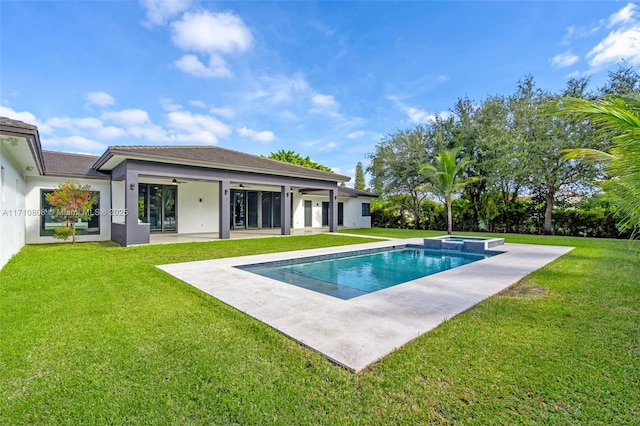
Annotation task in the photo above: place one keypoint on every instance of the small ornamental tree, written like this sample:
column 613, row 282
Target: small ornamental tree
column 69, row 202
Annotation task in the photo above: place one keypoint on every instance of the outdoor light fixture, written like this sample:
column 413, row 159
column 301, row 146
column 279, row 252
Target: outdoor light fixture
column 226, row 192
column 132, row 186
column 200, row 199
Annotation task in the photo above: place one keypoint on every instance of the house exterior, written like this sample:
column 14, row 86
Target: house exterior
column 165, row 189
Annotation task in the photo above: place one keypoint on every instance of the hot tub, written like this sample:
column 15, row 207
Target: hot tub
column 462, row 243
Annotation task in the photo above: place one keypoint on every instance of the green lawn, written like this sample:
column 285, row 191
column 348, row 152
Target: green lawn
column 95, row 334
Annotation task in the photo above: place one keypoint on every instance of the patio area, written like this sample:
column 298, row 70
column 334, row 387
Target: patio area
column 172, row 238
column 357, row 332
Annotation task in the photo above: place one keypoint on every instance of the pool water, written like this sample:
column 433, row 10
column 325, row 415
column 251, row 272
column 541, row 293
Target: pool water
column 349, row 275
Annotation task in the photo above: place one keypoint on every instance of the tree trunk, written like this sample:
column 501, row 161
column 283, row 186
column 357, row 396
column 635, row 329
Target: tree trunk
column 548, row 229
column 449, row 218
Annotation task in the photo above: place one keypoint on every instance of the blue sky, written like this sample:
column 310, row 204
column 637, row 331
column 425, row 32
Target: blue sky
column 324, row 79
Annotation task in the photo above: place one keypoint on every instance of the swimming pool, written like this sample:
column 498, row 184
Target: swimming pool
column 349, row 275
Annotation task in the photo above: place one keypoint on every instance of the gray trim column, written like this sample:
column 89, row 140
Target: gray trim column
column 333, row 210
column 259, row 209
column 224, row 227
column 135, row 233
column 285, row 210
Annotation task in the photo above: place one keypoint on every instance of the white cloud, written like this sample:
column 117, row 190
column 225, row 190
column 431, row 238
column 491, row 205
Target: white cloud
column 282, row 89
column 209, row 32
column 197, row 103
column 83, row 143
column 620, row 44
column 264, row 136
column 110, row 133
column 169, row 105
column 149, row 131
column 323, row 100
column 624, row 15
column 575, row 32
column 127, row 117
column 75, row 123
column 564, row 60
column 325, row 104
column 160, row 11
column 190, row 64
column 357, row 134
column 202, row 128
column 25, row 117
column 328, row 147
column 102, row 99
column 417, row 115
column 617, row 46
column 443, row 78
column 222, row 112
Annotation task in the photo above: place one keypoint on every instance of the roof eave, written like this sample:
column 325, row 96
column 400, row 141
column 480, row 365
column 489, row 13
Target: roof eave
column 112, row 152
column 31, row 135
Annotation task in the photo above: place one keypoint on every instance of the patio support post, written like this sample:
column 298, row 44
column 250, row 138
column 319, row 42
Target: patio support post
column 135, row 233
column 259, row 209
column 333, row 210
column 285, row 210
column 225, row 210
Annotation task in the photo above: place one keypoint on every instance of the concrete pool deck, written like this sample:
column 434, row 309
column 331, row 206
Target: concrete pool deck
column 357, row 332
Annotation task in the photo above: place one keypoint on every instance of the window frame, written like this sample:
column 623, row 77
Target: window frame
column 366, row 209
column 45, row 207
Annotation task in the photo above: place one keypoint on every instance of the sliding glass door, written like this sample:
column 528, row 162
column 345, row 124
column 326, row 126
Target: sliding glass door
column 157, row 206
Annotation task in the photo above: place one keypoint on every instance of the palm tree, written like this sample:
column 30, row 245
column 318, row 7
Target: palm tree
column 617, row 117
column 447, row 178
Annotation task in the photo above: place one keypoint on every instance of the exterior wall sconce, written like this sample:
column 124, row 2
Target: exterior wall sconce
column 132, row 186
column 226, row 192
column 200, row 199
column 335, row 197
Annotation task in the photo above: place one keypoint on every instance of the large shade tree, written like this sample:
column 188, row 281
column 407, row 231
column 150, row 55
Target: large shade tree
column 446, row 179
column 395, row 168
column 295, row 158
column 543, row 137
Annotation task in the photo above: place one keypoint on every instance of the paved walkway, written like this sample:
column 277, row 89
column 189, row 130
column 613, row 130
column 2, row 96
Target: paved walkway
column 357, row 332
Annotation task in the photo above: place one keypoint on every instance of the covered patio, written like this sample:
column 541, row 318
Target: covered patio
column 172, row 238
column 200, row 193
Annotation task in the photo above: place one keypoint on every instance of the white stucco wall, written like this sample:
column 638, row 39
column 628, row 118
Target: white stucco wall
column 195, row 216
column 298, row 211
column 352, row 214
column 117, row 202
column 32, row 203
column 12, row 207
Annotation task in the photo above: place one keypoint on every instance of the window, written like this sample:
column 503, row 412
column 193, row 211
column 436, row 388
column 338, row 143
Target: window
column 48, row 222
column 366, row 209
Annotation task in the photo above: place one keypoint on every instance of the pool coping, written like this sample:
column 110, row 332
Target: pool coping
column 357, row 332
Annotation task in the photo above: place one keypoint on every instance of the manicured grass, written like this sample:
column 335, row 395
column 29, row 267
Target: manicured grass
column 94, row 333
